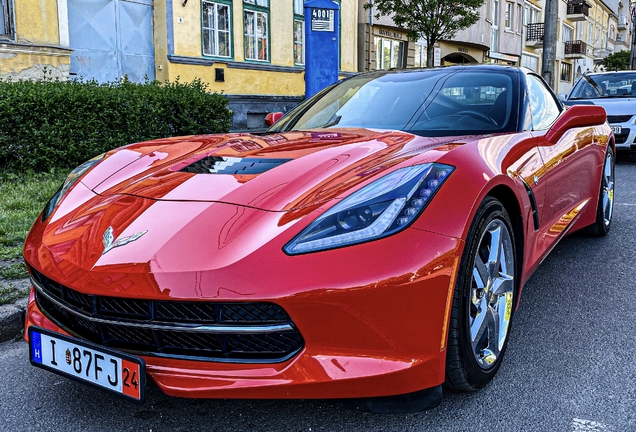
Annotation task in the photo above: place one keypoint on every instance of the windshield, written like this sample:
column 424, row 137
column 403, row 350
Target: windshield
column 607, row 85
column 430, row 103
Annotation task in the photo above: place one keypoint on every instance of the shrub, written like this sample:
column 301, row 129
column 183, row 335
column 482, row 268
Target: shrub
column 60, row 124
column 617, row 61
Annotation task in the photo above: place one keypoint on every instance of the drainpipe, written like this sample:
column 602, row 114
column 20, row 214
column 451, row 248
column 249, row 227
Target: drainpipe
column 632, row 14
column 523, row 18
column 370, row 61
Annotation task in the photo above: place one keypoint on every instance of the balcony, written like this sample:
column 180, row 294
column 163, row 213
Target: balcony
column 575, row 49
column 578, row 10
column 622, row 22
column 600, row 54
column 621, row 43
column 534, row 35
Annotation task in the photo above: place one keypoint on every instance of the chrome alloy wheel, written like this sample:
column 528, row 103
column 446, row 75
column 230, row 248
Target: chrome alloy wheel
column 491, row 293
column 607, row 189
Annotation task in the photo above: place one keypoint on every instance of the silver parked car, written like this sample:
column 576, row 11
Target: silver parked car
column 616, row 92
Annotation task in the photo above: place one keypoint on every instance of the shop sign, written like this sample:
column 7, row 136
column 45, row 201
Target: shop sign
column 390, row 33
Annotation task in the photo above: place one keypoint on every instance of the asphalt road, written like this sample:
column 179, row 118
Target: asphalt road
column 570, row 365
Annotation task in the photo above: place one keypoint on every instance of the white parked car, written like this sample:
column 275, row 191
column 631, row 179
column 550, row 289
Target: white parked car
column 616, row 92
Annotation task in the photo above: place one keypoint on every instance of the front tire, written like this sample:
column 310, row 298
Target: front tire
column 605, row 206
column 483, row 301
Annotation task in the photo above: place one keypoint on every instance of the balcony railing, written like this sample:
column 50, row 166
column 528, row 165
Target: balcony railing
column 621, row 40
column 575, row 48
column 535, row 33
column 601, row 53
column 578, row 7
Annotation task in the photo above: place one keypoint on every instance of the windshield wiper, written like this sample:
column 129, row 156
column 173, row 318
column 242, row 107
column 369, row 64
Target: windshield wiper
column 333, row 122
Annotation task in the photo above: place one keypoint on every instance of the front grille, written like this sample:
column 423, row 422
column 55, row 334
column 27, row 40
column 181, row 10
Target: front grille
column 260, row 312
column 122, row 307
column 182, row 311
column 236, row 332
column 618, row 118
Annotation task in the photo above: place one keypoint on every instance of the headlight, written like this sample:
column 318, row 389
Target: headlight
column 68, row 183
column 384, row 207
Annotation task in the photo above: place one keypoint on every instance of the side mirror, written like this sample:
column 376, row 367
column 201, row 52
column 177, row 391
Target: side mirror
column 576, row 116
column 562, row 97
column 272, row 118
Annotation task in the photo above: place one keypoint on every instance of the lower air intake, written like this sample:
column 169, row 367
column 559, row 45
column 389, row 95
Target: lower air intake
column 210, row 331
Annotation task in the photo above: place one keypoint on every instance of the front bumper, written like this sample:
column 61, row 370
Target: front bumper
column 626, row 140
column 379, row 331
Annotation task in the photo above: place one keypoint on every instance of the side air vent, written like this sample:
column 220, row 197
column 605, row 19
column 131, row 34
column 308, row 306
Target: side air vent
column 232, row 165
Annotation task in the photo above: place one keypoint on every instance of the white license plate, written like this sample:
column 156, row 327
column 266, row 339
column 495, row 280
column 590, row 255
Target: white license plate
column 617, row 129
column 92, row 364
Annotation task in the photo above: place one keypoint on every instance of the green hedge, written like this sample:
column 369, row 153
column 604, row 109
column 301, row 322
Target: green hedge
column 54, row 124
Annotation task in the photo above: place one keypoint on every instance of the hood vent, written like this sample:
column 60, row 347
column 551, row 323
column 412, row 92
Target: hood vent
column 233, row 165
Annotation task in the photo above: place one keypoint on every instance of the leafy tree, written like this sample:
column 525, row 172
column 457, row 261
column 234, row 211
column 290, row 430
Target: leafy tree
column 432, row 20
column 617, row 61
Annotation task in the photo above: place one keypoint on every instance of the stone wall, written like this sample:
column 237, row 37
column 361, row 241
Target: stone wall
column 22, row 61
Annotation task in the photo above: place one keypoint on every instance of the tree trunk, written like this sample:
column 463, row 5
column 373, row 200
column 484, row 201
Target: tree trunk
column 430, row 54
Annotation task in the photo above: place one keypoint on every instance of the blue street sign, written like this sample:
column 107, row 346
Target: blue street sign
column 321, row 44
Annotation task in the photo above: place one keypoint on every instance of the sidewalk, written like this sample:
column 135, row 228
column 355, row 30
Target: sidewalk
column 12, row 313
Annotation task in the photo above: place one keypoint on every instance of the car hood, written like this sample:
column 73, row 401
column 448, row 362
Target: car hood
column 613, row 106
column 276, row 172
column 139, row 209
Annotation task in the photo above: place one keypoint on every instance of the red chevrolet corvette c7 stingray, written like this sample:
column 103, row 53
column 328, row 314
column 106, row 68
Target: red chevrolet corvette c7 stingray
column 370, row 247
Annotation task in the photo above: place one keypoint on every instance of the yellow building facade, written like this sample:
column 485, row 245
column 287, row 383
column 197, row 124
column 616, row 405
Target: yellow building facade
column 31, row 43
column 251, row 50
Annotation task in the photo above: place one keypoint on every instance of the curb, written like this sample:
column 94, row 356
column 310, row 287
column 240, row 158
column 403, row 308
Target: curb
column 12, row 319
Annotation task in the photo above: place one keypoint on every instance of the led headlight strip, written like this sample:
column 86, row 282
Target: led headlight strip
column 384, row 207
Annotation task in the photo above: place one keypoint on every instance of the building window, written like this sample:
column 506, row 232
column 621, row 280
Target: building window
column 216, row 31
column 6, row 19
column 420, row 53
column 298, row 7
column 568, row 33
column 299, row 41
column 597, row 37
column 532, row 15
column 519, row 21
column 604, row 40
column 388, row 53
column 508, row 18
column 299, row 33
column 256, row 29
column 566, row 72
